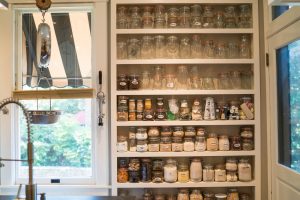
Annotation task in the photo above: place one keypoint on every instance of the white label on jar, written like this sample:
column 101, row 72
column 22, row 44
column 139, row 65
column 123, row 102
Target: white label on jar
column 141, row 136
column 160, row 116
column 142, row 148
column 149, row 116
column 134, row 82
column 122, row 146
column 170, row 174
column 165, row 147
column 183, row 176
column 220, row 175
column 153, row 147
column 190, row 133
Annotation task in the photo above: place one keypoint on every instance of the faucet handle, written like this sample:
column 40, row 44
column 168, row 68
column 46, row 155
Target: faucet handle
column 43, row 196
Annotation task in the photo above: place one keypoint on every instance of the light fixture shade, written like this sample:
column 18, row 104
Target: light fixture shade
column 3, row 5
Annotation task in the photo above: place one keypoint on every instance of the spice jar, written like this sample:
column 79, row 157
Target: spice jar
column 178, row 131
column 220, row 173
column 157, row 176
column 166, row 131
column 196, row 195
column 247, row 144
column 122, row 171
column 212, row 142
column 221, row 196
column 196, row 21
column 183, row 173
column 146, row 170
column 134, row 82
column 184, row 113
column 132, row 106
column 246, row 132
column 196, row 110
column 231, row 176
column 160, row 110
column 224, row 143
column 153, row 145
column 244, row 170
column 132, row 116
column 190, row 131
column 233, row 194
column 208, row 173
column 231, row 164
column 122, row 114
column 177, row 144
column 132, row 145
column 141, row 146
column 208, row 17
column 200, row 143
column 134, row 170
column 122, row 144
column 235, row 143
column 188, row 144
column 183, row 194
column 122, row 82
column 208, row 196
column 165, row 144
column 141, row 134
column 133, row 49
column 148, row 112
column 196, row 170
column 172, row 113
column 170, row 171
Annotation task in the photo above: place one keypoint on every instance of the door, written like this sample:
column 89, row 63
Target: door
column 284, row 102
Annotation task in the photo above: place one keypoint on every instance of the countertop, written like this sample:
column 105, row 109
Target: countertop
column 74, row 198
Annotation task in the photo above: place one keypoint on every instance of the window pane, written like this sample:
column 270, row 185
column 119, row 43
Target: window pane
column 288, row 78
column 62, row 149
column 278, row 10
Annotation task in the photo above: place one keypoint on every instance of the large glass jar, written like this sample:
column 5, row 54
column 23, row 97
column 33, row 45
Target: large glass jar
column 196, row 195
column 220, row 22
column 165, row 144
column 190, row 131
column 196, row 21
column 245, row 17
column 122, row 144
column 235, row 143
column 159, row 16
column 145, row 80
column 122, row 19
column 196, row 170
column 196, row 47
column 245, row 47
column 188, row 144
column 146, row 170
column 247, row 144
column 157, row 165
column 158, row 75
column 200, row 143
column 122, row 82
column 134, row 170
column 231, row 176
column 170, row 81
column 233, row 49
column 209, row 49
column 225, row 82
column 233, row 194
column 212, row 142
column 183, row 173
column 153, row 145
column 208, row 17
column 132, row 145
column 172, row 47
column 230, row 17
column 185, row 113
column 147, row 17
column 160, row 46
column 221, row 50
column 224, row 143
column 220, row 173
column 185, row 47
column 236, row 79
column 244, row 170
column 133, row 48
column 170, row 171
column 196, row 110
column 172, row 113
column 178, row 131
column 135, row 17
column 147, row 47
column 177, row 144
column 234, row 110
column 208, row 173
column 121, row 50
column 247, row 108
column 183, row 194
column 184, row 17
column 122, row 171
column 173, row 17
column 148, row 111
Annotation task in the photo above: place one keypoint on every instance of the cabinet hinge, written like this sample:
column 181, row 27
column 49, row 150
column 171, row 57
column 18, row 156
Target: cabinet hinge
column 267, row 60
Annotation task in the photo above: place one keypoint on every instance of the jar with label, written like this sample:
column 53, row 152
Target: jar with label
column 233, row 194
column 132, row 132
column 165, row 144
column 208, row 173
column 220, row 173
column 184, row 113
column 160, row 114
column 139, row 105
column 141, row 134
column 212, row 142
column 170, row 171
column 183, row 173
column 247, row 108
column 196, row 195
column 134, row 170
column 235, row 143
column 196, row 170
column 183, row 194
column 146, row 170
column 177, row 144
column 230, row 17
column 221, row 196
column 153, row 145
column 170, row 81
column 178, row 131
column 231, row 176
column 224, row 143
column 221, row 52
column 132, row 145
column 134, row 82
column 166, row 131
column 244, row 170
column 133, row 48
column 122, row 82
column 139, row 116
column 172, row 113
column 172, row 47
column 196, row 110
column 200, row 131
column 231, row 164
column 190, row 131
column 122, row 114
column 196, row 21
column 247, row 144
column 234, row 110
column 208, row 196
column 122, row 144
column 244, row 196
column 188, row 144
column 157, row 165
column 141, row 146
column 122, row 171
column 246, row 132
column 157, row 176
column 123, row 101
column 148, row 112
column 209, row 112
column 200, row 143
column 173, row 17
column 208, row 17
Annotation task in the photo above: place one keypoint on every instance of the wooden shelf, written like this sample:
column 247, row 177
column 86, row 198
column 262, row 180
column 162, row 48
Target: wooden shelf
column 185, row 31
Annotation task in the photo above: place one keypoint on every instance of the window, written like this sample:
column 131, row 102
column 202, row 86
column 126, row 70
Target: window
column 288, row 84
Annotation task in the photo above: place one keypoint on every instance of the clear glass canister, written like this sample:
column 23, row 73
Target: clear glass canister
column 157, row 176
column 132, row 145
column 133, row 49
column 159, row 16
column 208, row 173
column 183, row 173
column 200, row 143
column 209, row 49
column 184, row 17
column 147, row 196
column 196, row 47
column 185, row 47
column 245, row 17
column 170, row 171
column 122, row 171
column 231, row 176
column 170, row 81
column 122, row 17
column 234, row 110
column 208, row 196
column 189, row 144
column 244, row 170
column 208, row 17
column 153, row 131
column 233, row 194
column 158, row 74
column 166, row 131
column 196, row 170
column 178, row 131
column 182, row 77
column 165, row 144
column 122, row 144
column 147, row 17
column 212, row 143
column 134, row 82
column 201, row 131
column 220, row 173
column 196, row 110
column 220, row 22
column 147, row 47
column 172, row 47
column 177, row 144
column 122, row 114
column 247, row 144
column 196, row 195
column 244, row 196
column 153, row 144
column 236, row 79
column 157, row 165
column 145, row 80
column 134, row 170
column 173, row 15
column 121, row 50
column 135, row 17
column 245, row 47
column 190, row 131
column 221, row 50
column 146, row 170
column 230, row 17
column 196, row 20
column 160, row 103
column 160, row 46
column 132, row 132
column 233, row 49
column 224, row 143
column 142, row 145
column 172, row 113
column 183, row 194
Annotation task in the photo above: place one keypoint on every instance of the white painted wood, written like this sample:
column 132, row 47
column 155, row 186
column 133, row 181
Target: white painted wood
column 182, row 31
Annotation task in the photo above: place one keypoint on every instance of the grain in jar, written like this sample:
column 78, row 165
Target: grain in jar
column 122, row 144
column 244, row 170
column 183, row 194
column 212, row 142
column 231, row 176
column 190, row 131
column 166, row 131
column 188, row 144
column 224, row 143
column 233, row 194
column 122, row 176
column 183, row 173
column 220, row 173
column 177, row 144
column 146, row 170
column 153, row 131
column 165, row 144
column 247, row 132
column 153, row 144
column 231, row 164
column 208, row 173
column 141, row 134
column 142, row 146
column 178, row 131
column 196, row 170
column 200, row 143
column 170, row 171
column 122, row 113
column 196, row 195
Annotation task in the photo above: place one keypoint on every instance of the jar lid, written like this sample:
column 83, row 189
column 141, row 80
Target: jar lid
column 161, row 37
column 134, row 76
column 244, row 160
column 141, row 129
column 132, row 129
column 246, row 128
column 178, row 128
column 196, row 160
column 134, row 160
column 166, row 129
column 122, row 76
column 154, row 139
column 147, row 37
column 220, row 195
column 235, row 137
column 171, row 161
column 188, row 139
column 132, row 100
column 122, row 138
column 183, row 166
column 208, row 166
column 166, row 139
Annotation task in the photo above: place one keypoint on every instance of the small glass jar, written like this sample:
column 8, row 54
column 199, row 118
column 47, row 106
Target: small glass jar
column 224, row 143
column 208, row 173
column 185, row 48
column 177, row 144
column 159, row 16
column 231, row 176
column 121, row 50
column 139, row 105
column 148, row 111
column 208, row 196
column 160, row 46
column 244, row 196
column 160, row 114
column 188, row 144
column 196, row 170
column 196, row 195
column 234, row 110
column 208, row 17
column 230, row 17
column 196, row 21
column 231, row 164
column 173, row 109
column 135, row 17
column 134, row 82
column 158, row 77
column 196, row 111
column 157, row 176
column 133, row 49
column 190, row 131
column 170, row 171
column 165, row 144
column 173, row 17
column 132, row 115
column 245, row 17
column 146, row 170
column 145, row 82
column 200, row 143
column 122, row 171
column 200, row 131
column 235, row 143
column 134, row 164
column 178, row 131
column 233, row 49
column 185, row 113
column 247, row 144
column 122, row 144
column 153, row 131
column 183, row 194
column 236, row 79
column 131, row 105
column 157, row 165
column 172, row 47
column 225, row 82
column 153, row 145
column 147, row 47
column 170, row 81
column 141, row 134
column 209, row 49
column 122, row 82
column 244, row 170
column 220, row 173
column 166, row 131
column 220, row 22
column 123, row 101
column 184, row 17
column 221, row 196
column 247, row 79
column 233, row 194
column 132, row 145
column 141, row 146
column 212, row 143
column 221, row 50
column 196, row 47
column 147, row 18
column 183, row 173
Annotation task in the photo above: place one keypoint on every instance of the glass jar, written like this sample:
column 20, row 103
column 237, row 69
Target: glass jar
column 246, row 132
column 184, row 17
column 182, row 77
column 183, row 173
column 244, row 196
column 121, row 50
column 234, row 110
column 178, row 131
column 133, row 49
column 185, row 113
column 247, row 108
column 170, row 81
column 172, row 113
column 225, row 82
column 158, row 77
column 220, row 22
column 147, row 47
column 233, row 49
column 148, row 111
column 123, row 101
column 157, row 176
column 177, row 144
column 245, row 47
column 200, row 143
column 208, row 173
column 122, row 114
column 212, row 142
column 170, row 171
column 134, row 170
column 208, row 196
column 122, row 144
column 196, row 170
column 245, row 17
column 224, row 143
column 141, row 134
column 132, row 145
column 230, row 17
column 145, row 82
column 147, row 196
column 235, row 144
column 233, row 194
column 122, row 82
column 190, row 131
column 173, row 17
column 183, row 194
column 132, row 115
column 196, row 111
column 231, row 164
column 153, row 131
column 185, row 48
column 165, row 144
column 220, row 173
column 159, row 16
column 201, row 131
column 146, row 170
column 142, row 145
column 166, row 131
column 172, row 47
column 209, row 49
column 244, row 170
column 157, row 165
column 122, row 19
column 208, row 83
column 139, row 105
column 135, row 17
column 196, row 21
column 188, row 144
column 196, row 195
column 172, row 197
column 132, row 105
column 221, row 196
column 208, row 17
column 131, row 133
column 231, row 176
column 153, row 145
column 247, row 144
column 160, row 46
column 147, row 17
column 160, row 114
column 196, row 47
column 221, row 51
column 247, row 79
column 236, row 79
column 122, row 171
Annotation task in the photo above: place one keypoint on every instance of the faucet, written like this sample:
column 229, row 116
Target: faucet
column 30, row 188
